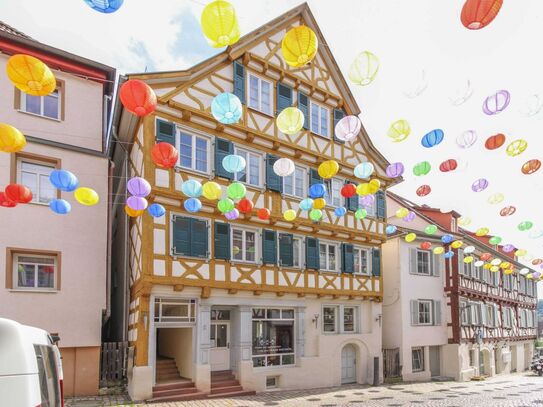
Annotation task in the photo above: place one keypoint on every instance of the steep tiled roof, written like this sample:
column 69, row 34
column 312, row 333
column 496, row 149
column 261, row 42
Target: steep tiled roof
column 9, row 29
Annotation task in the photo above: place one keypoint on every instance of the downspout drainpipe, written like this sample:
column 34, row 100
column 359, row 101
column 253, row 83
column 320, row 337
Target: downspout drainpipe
column 111, row 167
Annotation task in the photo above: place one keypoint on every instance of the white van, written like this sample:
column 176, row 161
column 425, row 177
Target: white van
column 30, row 367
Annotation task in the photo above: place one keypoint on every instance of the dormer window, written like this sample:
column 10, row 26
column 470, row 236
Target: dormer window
column 454, row 225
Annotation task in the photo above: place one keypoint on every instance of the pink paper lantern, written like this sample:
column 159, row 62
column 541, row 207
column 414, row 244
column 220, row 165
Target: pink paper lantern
column 137, row 203
column 348, row 128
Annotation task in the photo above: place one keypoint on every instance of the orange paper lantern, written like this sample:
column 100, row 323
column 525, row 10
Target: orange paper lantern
column 245, row 205
column 138, row 97
column 263, row 213
column 531, row 166
column 164, row 155
column 494, row 142
column 477, row 14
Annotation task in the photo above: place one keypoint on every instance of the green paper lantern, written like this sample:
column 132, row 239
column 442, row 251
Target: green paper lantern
column 430, row 229
column 236, row 191
column 422, row 168
column 495, row 240
column 526, row 225
column 225, row 205
column 360, row 213
column 315, row 214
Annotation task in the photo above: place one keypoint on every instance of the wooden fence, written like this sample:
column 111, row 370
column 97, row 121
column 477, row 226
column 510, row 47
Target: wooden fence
column 113, row 364
column 391, row 365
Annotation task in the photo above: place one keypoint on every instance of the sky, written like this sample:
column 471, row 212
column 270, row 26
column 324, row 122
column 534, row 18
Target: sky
column 428, row 60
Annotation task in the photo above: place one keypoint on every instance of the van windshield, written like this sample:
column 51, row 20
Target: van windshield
column 49, row 382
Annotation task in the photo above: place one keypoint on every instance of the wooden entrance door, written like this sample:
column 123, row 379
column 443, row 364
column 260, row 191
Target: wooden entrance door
column 220, row 346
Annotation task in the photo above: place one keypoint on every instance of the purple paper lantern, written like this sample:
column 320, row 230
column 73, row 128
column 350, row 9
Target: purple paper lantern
column 395, row 170
column 410, row 217
column 232, row 215
column 138, row 187
column 137, row 203
column 367, row 200
column 479, row 185
column 508, row 248
column 536, row 274
column 497, row 102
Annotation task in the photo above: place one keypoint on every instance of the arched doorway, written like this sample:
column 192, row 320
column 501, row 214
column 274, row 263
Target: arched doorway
column 348, row 364
column 484, row 363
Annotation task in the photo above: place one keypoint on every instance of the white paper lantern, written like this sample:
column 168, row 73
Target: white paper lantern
column 284, row 167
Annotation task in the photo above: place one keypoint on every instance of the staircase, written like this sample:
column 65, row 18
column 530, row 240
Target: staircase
column 224, row 384
column 171, row 386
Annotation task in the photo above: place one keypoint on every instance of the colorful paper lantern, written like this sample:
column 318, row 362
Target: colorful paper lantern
column 315, row 215
column 226, row 108
column 319, row 203
column 508, row 210
column 225, row 205
column 105, row 6
column 448, row 165
column 469, row 249
column 496, row 198
column 192, row 188
column 340, row 211
column 364, row 170
column 219, row 24
column 508, row 248
column 363, row 189
column 402, row 212
column 447, row 239
column 5, row 202
column 495, row 142
column 399, row 130
column 395, row 170
column 348, row 128
column 317, row 191
column 535, row 233
column 479, row 263
column 348, row 190
column 426, row 245
column 232, row 215
column 522, row 226
column 138, row 186
column 290, row 120
column 410, row 237
column 64, row 180
column 234, row 163
column 132, row 212
column 448, row 255
column 137, row 97
column 60, row 206
column 328, row 169
column 468, row 259
column 236, row 191
column 289, row 215
column 390, row 229
column 457, row 244
column 86, row 196
column 466, row 139
column 165, row 155
column 410, row 217
column 537, row 262
column 30, row 75
column 11, row 139
column 137, row 203
column 299, row 46
column 306, row 204
column 284, row 167
column 516, row 147
column 245, row 206
column 422, row 168
column 529, row 167
column 211, row 190
column 367, row 201
column 192, row 205
column 432, row 138
column 156, row 210
column 263, row 213
column 482, row 232
column 479, row 185
column 360, row 213
column 496, row 103
column 423, row 190
column 477, row 14
column 18, row 193
column 485, row 256
column 373, row 186
column 430, row 229
column 521, row 252
column 495, row 240
column 364, row 69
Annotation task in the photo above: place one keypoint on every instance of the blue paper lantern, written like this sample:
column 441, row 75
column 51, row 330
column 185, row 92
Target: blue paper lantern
column 64, row 180
column 317, row 191
column 226, row 108
column 341, row 211
column 447, row 239
column 156, row 210
column 192, row 205
column 306, row 204
column 192, row 188
column 234, row 163
column 105, row 6
column 390, row 229
column 363, row 170
column 449, row 254
column 432, row 138
column 60, row 206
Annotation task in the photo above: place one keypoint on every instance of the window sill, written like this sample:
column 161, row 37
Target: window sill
column 30, row 290
column 255, row 110
column 179, row 169
column 40, row 116
column 340, row 333
column 274, row 367
column 320, row 135
column 177, row 256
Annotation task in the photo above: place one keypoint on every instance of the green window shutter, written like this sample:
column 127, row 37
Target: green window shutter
column 303, row 105
column 351, row 203
column 181, row 228
column 312, row 259
column 222, row 149
column 314, row 177
column 347, row 258
column 269, row 247
column 199, row 238
column 222, row 241
column 376, row 262
column 381, row 204
column 284, row 97
column 286, row 251
column 273, row 181
column 165, row 132
column 338, row 115
column 239, row 81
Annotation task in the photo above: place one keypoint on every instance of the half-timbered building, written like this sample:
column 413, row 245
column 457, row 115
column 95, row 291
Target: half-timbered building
column 225, row 307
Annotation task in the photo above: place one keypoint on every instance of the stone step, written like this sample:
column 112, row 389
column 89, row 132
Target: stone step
column 224, row 383
column 226, row 389
column 169, row 369
column 232, row 394
column 167, row 376
column 174, row 384
column 179, row 397
column 173, row 392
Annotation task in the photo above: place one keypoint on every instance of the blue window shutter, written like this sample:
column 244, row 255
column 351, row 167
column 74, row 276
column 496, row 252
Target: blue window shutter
column 303, row 105
column 165, row 132
column 273, row 181
column 351, row 203
column 314, row 177
column 347, row 258
column 199, row 238
column 284, row 97
column 338, row 115
column 239, row 81
column 269, row 247
column 181, row 236
column 222, row 149
column 222, row 241
column 376, row 262
column 381, row 204
column 312, row 259
column 286, row 251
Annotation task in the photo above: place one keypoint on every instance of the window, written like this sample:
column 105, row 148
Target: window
column 469, row 269
column 423, row 262
column 175, row 310
column 362, row 264
column 464, row 313
column 273, row 337
column 328, row 256
column 507, row 279
column 490, row 320
column 35, row 175
column 417, row 357
column 35, row 271
column 46, row 359
column 297, row 252
column 47, row 106
column 272, row 382
column 371, row 209
column 252, row 173
column 522, row 285
column 194, row 152
column 349, row 320
column 329, row 319
column 339, row 319
column 506, row 317
column 244, row 245
column 294, row 184
column 333, row 186
column 472, row 357
column 424, row 312
column 319, row 119
column 220, row 315
column 260, row 95
column 495, row 279
column 218, row 335
column 476, row 313
column 189, row 237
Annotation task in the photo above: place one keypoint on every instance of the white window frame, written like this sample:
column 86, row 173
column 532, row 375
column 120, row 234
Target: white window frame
column 464, row 313
column 506, row 317
column 330, row 192
column 338, row 256
column 489, row 309
column 468, row 269
column 430, row 304
column 189, row 319
column 59, row 95
column 260, row 79
column 294, row 336
column 295, row 184
column 420, row 361
column 194, row 135
column 260, row 156
column 339, row 319
column 35, row 196
column 15, row 261
column 244, row 244
column 319, row 126
column 361, row 249
column 429, row 254
column 507, row 282
column 301, row 256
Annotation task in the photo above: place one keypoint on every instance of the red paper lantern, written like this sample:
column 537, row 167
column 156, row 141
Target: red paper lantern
column 245, row 205
column 424, row 190
column 485, row 256
column 348, row 190
column 508, row 211
column 263, row 214
column 137, row 97
column 494, row 142
column 448, row 165
column 5, row 202
column 531, row 166
column 477, row 14
column 18, row 193
column 425, row 245
column 165, row 155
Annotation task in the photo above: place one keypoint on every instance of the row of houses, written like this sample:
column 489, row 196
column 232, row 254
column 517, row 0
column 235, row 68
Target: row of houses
column 220, row 307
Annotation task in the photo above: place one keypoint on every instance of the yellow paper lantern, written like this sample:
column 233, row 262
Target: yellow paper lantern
column 521, row 252
column 496, row 198
column 290, row 120
column 299, row 46
column 132, row 212
column 410, row 237
column 319, row 203
column 457, row 244
column 363, row 189
column 468, row 259
column 30, row 75
column 86, row 196
column 219, row 24
column 494, row 269
column 482, row 232
column 439, row 250
column 487, row 266
column 464, row 221
column 373, row 186
column 399, row 130
column 364, row 69
column 328, row 169
column 211, row 190
column 402, row 213
column 508, row 271
column 516, row 147
column 11, row 139
column 289, row 215
column 505, row 265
